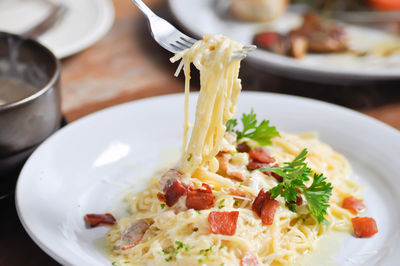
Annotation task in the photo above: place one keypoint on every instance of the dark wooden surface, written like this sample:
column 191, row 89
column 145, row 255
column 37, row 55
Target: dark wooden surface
column 128, row 65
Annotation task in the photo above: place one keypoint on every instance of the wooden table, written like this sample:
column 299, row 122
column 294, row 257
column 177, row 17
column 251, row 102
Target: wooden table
column 127, row 65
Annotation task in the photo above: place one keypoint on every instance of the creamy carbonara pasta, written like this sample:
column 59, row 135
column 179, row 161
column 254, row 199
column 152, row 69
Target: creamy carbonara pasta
column 214, row 207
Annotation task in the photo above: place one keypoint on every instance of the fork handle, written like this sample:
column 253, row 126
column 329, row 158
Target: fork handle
column 144, row 8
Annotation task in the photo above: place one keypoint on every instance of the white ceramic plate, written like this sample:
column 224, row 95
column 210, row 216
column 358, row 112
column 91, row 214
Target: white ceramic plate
column 213, row 16
column 84, row 23
column 86, row 166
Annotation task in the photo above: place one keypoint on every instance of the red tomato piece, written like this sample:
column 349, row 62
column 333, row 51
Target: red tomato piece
column 173, row 191
column 200, row 199
column 223, row 223
column 249, row 259
column 266, row 39
column 352, row 204
column 268, row 211
column 261, row 156
column 94, row 220
column 385, row 4
column 364, row 226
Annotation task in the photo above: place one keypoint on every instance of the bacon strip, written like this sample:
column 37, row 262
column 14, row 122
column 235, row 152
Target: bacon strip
column 223, row 223
column 93, row 220
column 364, row 226
column 268, row 211
column 255, row 164
column 133, row 234
column 173, row 190
column 354, row 205
column 265, row 207
column 260, row 155
column 200, row 199
column 259, row 201
column 243, row 147
column 249, row 259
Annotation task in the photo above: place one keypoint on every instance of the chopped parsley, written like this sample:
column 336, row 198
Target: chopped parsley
column 236, row 203
column 198, row 212
column 114, row 263
column 162, row 205
column 295, row 174
column 175, row 250
column 205, row 253
column 189, row 158
column 221, row 202
column 261, row 133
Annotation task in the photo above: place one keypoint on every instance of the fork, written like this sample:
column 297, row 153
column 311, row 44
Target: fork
column 170, row 38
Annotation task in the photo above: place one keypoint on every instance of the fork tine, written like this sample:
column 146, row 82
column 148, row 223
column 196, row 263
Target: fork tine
column 184, row 44
column 179, row 48
column 188, row 39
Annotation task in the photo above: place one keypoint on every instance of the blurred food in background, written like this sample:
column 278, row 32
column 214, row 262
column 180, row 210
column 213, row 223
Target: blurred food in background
column 323, row 31
column 316, row 35
column 351, row 5
column 258, row 10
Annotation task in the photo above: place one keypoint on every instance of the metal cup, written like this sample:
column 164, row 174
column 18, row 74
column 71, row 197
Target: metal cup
column 26, row 122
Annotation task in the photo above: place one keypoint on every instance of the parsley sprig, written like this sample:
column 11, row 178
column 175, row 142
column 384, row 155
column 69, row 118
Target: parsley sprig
column 295, row 174
column 261, row 133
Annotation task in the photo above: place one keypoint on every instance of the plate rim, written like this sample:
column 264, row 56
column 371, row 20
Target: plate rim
column 59, row 258
column 287, row 67
column 107, row 13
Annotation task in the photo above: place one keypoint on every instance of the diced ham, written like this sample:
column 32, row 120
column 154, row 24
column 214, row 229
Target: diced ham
column 223, row 223
column 261, row 156
column 265, row 207
column 173, row 190
column 249, row 259
column 364, row 226
column 243, row 147
column 354, row 205
column 200, row 199
column 94, row 220
column 133, row 235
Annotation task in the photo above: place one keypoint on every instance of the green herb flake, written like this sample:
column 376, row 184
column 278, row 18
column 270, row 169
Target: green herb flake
column 189, row 158
column 236, row 203
column 162, row 205
column 114, row 263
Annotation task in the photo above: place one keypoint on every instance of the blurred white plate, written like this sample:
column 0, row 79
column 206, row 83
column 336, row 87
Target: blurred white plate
column 84, row 23
column 213, row 16
column 85, row 167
